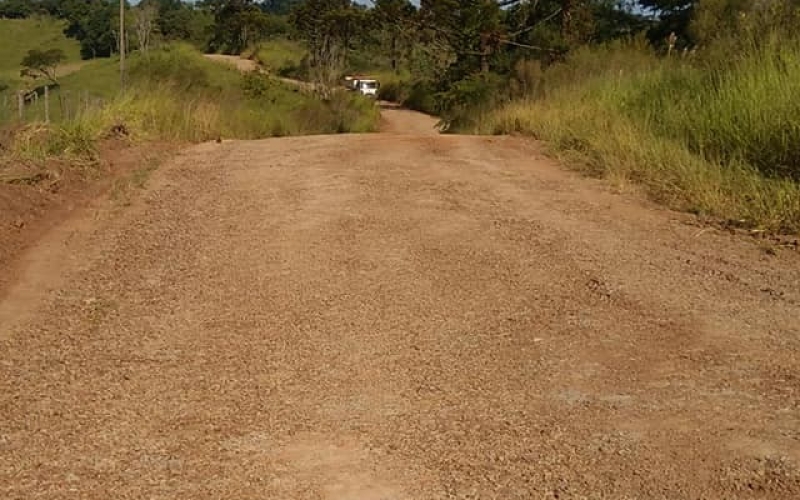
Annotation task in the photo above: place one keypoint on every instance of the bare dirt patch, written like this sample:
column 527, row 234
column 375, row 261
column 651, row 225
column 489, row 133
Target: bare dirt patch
column 36, row 197
column 243, row 65
column 396, row 120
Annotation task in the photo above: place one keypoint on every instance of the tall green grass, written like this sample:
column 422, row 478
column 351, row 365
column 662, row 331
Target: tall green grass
column 722, row 140
column 748, row 113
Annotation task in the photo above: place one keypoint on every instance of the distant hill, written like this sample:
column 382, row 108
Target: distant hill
column 18, row 36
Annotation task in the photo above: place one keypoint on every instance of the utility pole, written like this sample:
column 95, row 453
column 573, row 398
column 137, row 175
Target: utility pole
column 122, row 44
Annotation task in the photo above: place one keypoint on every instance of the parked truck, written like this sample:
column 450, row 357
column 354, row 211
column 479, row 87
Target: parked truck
column 364, row 85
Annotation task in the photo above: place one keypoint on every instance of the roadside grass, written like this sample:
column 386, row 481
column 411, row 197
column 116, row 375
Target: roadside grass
column 720, row 140
column 175, row 94
column 280, row 57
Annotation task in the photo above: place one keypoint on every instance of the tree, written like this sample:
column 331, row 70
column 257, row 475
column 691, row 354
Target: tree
column 93, row 23
column 674, row 17
column 237, row 24
column 145, row 16
column 471, row 28
column 279, row 7
column 326, row 26
column 99, row 31
column 734, row 25
column 179, row 20
column 42, row 64
column 555, row 26
column 395, row 17
column 615, row 19
column 16, row 9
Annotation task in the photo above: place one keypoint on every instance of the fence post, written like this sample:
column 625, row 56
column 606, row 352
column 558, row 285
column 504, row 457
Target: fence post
column 47, row 104
column 20, row 104
column 64, row 96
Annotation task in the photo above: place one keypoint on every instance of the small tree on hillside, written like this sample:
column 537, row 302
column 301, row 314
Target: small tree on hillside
column 42, row 64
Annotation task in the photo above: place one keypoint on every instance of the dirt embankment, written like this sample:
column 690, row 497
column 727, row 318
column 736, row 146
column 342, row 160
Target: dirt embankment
column 36, row 197
column 399, row 316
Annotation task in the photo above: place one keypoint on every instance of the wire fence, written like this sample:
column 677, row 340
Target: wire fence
column 47, row 104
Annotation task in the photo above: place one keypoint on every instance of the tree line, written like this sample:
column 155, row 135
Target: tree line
column 486, row 34
column 213, row 25
column 445, row 43
column 466, row 49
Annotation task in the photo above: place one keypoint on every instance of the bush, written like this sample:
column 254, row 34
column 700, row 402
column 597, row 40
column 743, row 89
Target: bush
column 178, row 66
column 422, row 97
column 344, row 112
column 256, row 85
column 281, row 57
column 467, row 100
column 393, row 91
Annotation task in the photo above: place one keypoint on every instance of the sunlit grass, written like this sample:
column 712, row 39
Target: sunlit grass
column 177, row 95
column 722, row 142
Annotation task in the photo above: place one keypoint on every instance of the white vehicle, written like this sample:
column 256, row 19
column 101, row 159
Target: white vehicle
column 365, row 86
column 368, row 87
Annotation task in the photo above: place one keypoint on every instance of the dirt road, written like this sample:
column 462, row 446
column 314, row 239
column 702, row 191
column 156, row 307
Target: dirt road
column 243, row 65
column 399, row 316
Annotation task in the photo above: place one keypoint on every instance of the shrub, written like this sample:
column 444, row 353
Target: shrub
column 177, row 66
column 256, row 85
column 344, row 112
column 282, row 57
column 463, row 104
column 422, row 97
column 394, row 91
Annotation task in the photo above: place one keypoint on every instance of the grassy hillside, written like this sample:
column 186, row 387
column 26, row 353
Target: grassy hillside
column 99, row 77
column 88, row 85
column 18, row 36
column 176, row 94
column 280, row 57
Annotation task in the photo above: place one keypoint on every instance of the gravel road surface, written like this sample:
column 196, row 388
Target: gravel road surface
column 396, row 316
